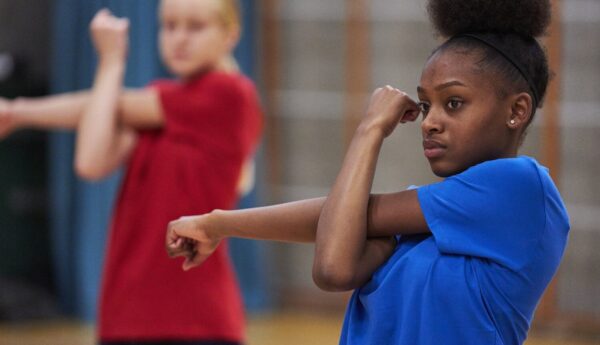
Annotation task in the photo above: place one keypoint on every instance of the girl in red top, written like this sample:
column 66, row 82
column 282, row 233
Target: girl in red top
column 185, row 143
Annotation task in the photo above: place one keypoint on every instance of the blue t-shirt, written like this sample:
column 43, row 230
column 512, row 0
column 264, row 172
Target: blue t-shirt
column 498, row 232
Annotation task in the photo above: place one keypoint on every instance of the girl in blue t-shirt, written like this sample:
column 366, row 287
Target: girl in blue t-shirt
column 462, row 261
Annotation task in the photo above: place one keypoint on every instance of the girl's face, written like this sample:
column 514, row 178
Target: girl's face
column 464, row 119
column 192, row 36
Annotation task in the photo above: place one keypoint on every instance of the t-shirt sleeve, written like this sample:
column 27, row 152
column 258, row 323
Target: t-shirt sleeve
column 494, row 210
column 222, row 113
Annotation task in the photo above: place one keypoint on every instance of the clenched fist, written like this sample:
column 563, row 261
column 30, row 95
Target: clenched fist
column 190, row 237
column 388, row 107
column 110, row 36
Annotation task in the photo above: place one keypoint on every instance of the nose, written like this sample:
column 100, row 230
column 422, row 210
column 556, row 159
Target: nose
column 432, row 123
column 178, row 36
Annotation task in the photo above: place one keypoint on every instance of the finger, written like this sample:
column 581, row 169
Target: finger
column 377, row 91
column 193, row 261
column 411, row 115
column 411, row 112
column 187, row 247
column 176, row 248
column 176, row 252
column 101, row 15
column 189, row 261
column 174, row 244
column 186, row 229
column 102, row 12
column 171, row 236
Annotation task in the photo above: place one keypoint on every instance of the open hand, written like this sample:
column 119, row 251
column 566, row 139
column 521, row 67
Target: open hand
column 388, row 107
column 189, row 237
column 110, row 35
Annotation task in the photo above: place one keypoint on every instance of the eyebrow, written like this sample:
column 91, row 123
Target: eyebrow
column 443, row 86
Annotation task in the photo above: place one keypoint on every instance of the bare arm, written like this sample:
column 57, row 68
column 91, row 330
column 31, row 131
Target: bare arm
column 102, row 142
column 344, row 256
column 51, row 112
column 136, row 108
column 197, row 236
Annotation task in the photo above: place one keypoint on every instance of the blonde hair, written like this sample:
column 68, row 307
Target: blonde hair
column 230, row 16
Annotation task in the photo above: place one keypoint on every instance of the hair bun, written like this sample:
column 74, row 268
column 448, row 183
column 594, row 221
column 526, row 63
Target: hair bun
column 522, row 17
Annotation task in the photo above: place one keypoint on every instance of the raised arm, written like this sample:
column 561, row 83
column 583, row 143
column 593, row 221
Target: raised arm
column 344, row 256
column 102, row 142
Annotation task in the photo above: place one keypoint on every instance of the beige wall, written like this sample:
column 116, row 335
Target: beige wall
column 579, row 288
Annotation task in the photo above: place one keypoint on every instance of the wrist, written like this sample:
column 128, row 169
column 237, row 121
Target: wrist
column 15, row 113
column 112, row 62
column 213, row 220
column 370, row 131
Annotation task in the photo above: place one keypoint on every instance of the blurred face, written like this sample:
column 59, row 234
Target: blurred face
column 464, row 120
column 192, row 36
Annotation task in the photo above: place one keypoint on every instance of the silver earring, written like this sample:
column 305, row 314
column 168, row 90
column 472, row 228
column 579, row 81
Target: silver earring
column 512, row 122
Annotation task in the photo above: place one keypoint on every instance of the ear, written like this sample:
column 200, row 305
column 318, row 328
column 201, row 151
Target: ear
column 233, row 37
column 521, row 108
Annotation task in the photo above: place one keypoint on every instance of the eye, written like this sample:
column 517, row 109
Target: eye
column 424, row 107
column 454, row 104
column 168, row 25
column 197, row 25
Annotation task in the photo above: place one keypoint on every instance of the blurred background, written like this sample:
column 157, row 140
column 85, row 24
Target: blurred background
column 315, row 63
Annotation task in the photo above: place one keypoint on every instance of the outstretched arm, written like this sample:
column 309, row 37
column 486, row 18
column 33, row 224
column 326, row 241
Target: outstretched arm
column 137, row 108
column 196, row 237
column 51, row 112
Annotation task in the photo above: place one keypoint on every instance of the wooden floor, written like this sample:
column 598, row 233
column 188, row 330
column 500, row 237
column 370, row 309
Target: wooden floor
column 269, row 329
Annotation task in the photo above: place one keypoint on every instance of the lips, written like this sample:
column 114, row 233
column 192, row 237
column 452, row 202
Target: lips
column 433, row 149
column 180, row 55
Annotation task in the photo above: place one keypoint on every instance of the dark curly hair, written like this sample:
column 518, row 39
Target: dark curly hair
column 510, row 26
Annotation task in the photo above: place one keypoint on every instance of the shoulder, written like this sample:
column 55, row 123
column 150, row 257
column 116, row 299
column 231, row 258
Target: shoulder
column 228, row 84
column 512, row 171
column 501, row 181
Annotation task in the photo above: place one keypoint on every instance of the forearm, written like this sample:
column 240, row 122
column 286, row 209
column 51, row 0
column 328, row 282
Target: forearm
column 51, row 112
column 289, row 222
column 98, row 128
column 388, row 215
column 195, row 237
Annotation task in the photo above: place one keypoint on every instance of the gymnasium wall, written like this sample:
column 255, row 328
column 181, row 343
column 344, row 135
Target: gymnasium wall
column 311, row 115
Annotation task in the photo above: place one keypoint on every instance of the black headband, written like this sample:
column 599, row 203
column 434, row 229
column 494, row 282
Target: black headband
column 511, row 60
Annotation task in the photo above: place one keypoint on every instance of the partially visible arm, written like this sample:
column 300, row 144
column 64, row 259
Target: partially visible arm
column 345, row 258
column 140, row 109
column 51, row 112
column 137, row 108
column 196, row 237
column 102, row 142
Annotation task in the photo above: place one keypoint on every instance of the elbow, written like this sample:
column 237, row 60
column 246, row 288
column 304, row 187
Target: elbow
column 332, row 277
column 88, row 170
